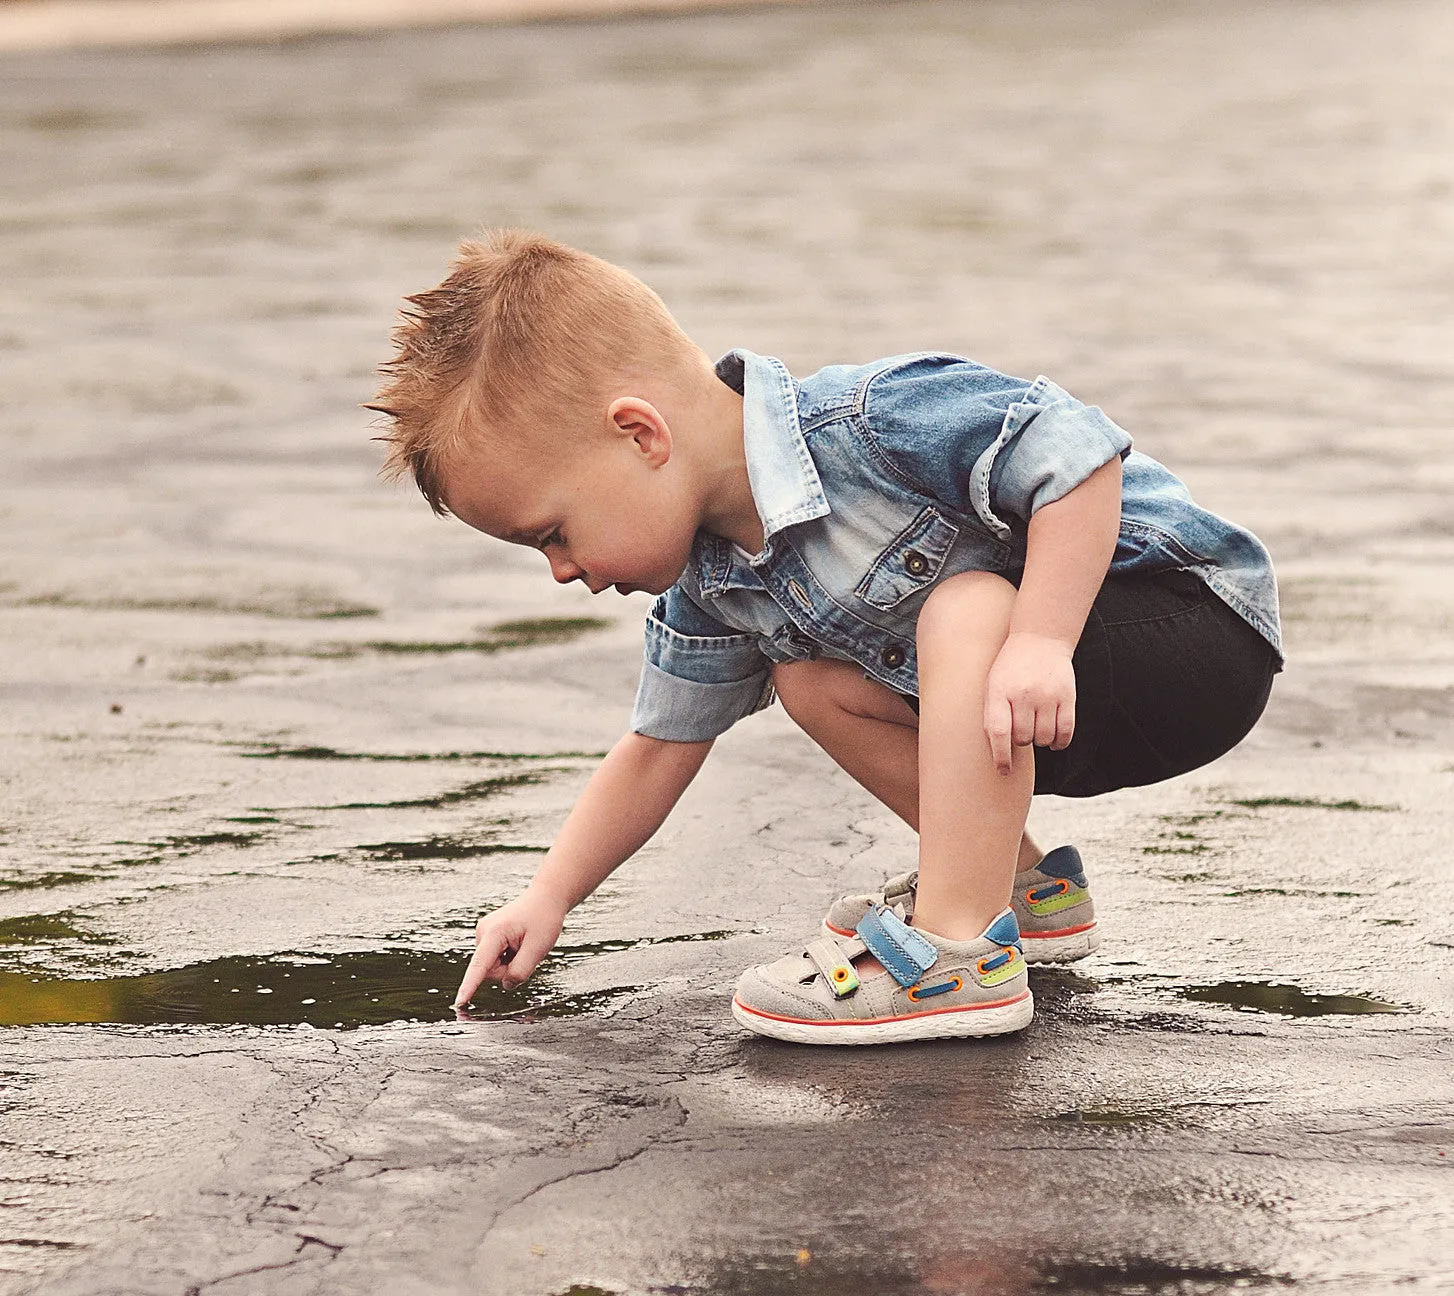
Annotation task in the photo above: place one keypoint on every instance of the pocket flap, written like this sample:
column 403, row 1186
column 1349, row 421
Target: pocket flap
column 911, row 562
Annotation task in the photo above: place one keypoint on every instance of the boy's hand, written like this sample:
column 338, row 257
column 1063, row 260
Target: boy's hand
column 1029, row 697
column 510, row 943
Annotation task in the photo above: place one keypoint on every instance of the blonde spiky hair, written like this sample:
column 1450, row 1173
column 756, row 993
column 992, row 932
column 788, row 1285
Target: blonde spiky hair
column 523, row 336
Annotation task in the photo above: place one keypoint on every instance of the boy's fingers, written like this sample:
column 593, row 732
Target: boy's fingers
column 525, row 960
column 998, row 719
column 1023, row 729
column 1045, row 727
column 1064, row 726
column 486, row 962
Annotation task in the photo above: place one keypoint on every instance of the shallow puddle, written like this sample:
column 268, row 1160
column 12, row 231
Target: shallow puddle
column 1145, row 1276
column 440, row 848
column 1108, row 1116
column 41, row 929
column 1287, row 1000
column 806, row 1271
column 1309, row 803
column 507, row 634
column 334, row 990
column 44, row 881
column 179, row 847
column 477, row 791
column 269, row 751
column 342, row 991
column 255, row 655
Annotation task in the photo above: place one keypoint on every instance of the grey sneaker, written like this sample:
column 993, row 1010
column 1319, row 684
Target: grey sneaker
column 1052, row 904
column 931, row 989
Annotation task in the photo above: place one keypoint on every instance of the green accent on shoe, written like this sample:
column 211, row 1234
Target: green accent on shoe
column 1054, row 904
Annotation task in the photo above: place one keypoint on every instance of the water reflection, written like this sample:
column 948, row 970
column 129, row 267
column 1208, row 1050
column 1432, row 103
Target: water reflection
column 326, row 990
column 804, row 1271
column 1288, row 1000
column 343, row 991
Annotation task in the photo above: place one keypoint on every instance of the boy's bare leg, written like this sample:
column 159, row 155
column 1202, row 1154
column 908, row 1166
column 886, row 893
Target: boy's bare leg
column 873, row 734
column 971, row 817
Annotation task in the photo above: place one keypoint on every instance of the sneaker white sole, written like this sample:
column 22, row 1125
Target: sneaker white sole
column 1038, row 949
column 949, row 1023
column 1060, row 949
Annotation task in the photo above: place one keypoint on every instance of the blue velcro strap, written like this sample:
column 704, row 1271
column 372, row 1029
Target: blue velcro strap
column 1064, row 862
column 1005, row 930
column 896, row 945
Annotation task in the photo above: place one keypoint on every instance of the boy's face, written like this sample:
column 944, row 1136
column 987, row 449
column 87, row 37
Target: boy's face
column 610, row 511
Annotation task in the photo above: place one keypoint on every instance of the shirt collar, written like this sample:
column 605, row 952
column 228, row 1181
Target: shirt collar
column 785, row 485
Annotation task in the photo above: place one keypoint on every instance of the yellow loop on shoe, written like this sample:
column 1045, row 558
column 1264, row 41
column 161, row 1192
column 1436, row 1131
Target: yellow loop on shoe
column 834, row 962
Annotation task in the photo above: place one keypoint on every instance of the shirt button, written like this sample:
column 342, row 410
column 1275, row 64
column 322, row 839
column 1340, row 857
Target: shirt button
column 893, row 656
column 915, row 563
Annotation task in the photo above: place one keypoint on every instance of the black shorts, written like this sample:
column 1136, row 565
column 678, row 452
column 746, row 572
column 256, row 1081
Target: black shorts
column 1167, row 678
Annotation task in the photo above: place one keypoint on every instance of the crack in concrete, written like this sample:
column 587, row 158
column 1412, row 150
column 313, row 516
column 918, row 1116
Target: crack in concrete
column 586, row 1172
column 305, row 1241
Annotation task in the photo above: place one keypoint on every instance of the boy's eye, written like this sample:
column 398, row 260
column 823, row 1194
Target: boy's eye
column 554, row 537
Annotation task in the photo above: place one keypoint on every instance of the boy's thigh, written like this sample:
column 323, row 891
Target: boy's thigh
column 1168, row 678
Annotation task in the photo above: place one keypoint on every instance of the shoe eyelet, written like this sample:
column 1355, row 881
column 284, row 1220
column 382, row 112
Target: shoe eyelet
column 916, row 992
column 1047, row 891
column 993, row 962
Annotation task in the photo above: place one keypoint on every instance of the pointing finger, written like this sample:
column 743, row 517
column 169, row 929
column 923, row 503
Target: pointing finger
column 491, row 957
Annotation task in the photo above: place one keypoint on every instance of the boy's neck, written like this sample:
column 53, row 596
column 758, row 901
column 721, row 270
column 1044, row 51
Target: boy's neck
column 720, row 461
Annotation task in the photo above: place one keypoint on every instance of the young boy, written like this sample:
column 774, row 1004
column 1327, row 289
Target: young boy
column 937, row 568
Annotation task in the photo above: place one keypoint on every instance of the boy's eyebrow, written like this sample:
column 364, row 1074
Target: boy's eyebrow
column 531, row 538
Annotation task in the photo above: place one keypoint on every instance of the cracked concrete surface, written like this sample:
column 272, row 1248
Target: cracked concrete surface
column 1230, row 229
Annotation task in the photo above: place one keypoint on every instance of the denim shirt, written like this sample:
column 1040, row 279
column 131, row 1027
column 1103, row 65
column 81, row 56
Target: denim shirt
column 875, row 482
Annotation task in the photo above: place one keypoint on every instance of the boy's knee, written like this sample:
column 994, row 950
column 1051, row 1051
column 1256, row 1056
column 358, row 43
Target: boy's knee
column 812, row 691
column 797, row 683
column 966, row 604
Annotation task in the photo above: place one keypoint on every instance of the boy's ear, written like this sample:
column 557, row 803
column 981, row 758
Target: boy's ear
column 642, row 423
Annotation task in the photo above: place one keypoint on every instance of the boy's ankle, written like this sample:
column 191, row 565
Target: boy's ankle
column 967, row 925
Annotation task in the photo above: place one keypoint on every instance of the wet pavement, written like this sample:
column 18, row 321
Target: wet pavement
column 272, row 735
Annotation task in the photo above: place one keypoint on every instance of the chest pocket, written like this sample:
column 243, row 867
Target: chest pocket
column 911, row 562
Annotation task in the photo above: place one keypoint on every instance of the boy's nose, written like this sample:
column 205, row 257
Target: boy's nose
column 563, row 570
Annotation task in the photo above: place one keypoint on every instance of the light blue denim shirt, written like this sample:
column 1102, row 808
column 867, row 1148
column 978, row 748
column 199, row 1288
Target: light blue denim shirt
column 877, row 481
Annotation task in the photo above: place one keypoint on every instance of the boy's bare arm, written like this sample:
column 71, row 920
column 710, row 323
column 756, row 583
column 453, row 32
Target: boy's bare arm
column 1031, row 687
column 625, row 802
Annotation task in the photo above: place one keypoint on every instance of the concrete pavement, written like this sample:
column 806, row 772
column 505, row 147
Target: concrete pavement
column 272, row 735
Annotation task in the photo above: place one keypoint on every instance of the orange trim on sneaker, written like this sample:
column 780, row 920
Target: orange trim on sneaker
column 838, row 930
column 877, row 1021
column 1064, row 931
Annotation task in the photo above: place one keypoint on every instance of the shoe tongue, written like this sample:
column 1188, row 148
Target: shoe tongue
column 1004, row 930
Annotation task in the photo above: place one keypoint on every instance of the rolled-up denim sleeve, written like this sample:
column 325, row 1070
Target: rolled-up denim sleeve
column 698, row 677
column 1049, row 443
